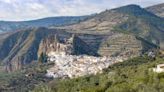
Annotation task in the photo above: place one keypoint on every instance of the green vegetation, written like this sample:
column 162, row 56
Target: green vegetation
column 134, row 75
column 5, row 78
column 25, row 79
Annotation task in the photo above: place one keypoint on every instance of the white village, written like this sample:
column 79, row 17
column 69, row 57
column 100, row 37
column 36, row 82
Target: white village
column 67, row 65
column 71, row 66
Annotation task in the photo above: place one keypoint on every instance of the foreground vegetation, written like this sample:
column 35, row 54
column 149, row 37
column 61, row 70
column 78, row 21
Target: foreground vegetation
column 134, row 75
column 25, row 79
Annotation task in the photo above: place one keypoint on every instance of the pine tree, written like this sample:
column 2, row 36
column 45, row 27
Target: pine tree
column 43, row 58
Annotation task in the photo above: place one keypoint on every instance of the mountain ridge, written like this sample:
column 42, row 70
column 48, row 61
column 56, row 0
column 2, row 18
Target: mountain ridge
column 44, row 22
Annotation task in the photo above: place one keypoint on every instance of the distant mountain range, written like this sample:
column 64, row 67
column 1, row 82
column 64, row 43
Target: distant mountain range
column 45, row 22
column 128, row 30
column 59, row 21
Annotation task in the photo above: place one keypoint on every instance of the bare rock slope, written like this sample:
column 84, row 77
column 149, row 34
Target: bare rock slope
column 157, row 9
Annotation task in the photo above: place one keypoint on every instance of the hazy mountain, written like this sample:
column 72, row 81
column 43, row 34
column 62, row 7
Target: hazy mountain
column 45, row 22
column 157, row 9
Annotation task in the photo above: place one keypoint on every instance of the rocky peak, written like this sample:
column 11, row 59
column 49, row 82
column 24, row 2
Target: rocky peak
column 134, row 10
column 129, row 7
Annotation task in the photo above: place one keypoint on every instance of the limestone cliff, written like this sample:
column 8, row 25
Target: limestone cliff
column 72, row 45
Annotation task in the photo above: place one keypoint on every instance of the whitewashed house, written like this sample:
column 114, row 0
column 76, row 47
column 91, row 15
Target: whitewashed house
column 159, row 68
column 50, row 74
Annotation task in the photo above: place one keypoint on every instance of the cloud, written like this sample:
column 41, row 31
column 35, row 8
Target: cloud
column 33, row 9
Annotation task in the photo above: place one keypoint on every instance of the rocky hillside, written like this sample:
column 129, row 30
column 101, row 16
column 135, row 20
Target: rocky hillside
column 142, row 24
column 22, row 47
column 104, row 21
column 120, row 45
column 157, row 9
column 131, row 19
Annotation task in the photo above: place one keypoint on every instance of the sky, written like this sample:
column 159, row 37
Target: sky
column 21, row 10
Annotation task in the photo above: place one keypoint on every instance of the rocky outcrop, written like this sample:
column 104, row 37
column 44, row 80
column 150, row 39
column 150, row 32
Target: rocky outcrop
column 53, row 44
column 73, row 45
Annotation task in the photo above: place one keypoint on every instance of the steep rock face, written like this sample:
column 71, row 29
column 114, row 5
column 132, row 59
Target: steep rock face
column 81, row 47
column 157, row 10
column 53, row 44
column 72, row 45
